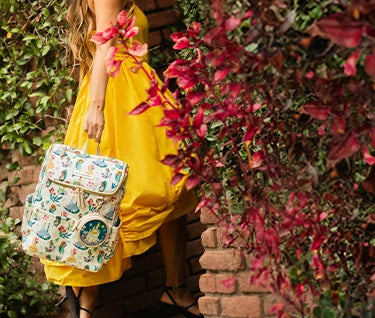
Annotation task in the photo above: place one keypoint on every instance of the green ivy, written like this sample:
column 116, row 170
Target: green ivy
column 21, row 295
column 35, row 79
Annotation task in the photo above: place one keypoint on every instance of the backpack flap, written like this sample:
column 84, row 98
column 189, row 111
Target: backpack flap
column 90, row 173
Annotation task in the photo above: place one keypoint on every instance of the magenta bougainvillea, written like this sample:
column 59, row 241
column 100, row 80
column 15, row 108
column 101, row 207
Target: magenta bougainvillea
column 275, row 118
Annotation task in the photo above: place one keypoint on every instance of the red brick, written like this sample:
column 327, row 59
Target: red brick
column 220, row 288
column 156, row 278
column 16, row 190
column 193, row 283
column 37, row 265
column 27, row 175
column 220, row 237
column 146, row 5
column 165, row 3
column 142, row 301
column 25, row 191
column 16, row 213
column 22, row 160
column 230, row 260
column 207, row 283
column 238, row 242
column 11, row 201
column 245, row 286
column 193, row 216
column 209, row 305
column 147, row 262
column 195, row 230
column 166, row 34
column 123, row 288
column 155, row 38
column 207, row 217
column 209, row 237
column 3, row 173
column 241, row 306
column 116, row 310
column 195, row 266
column 164, row 18
column 194, row 248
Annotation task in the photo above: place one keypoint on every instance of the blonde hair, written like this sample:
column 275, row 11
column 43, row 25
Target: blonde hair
column 81, row 22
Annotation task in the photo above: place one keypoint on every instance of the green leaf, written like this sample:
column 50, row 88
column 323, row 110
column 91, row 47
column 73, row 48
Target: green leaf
column 329, row 313
column 37, row 141
column 12, row 314
column 45, row 50
column 26, row 147
column 69, row 94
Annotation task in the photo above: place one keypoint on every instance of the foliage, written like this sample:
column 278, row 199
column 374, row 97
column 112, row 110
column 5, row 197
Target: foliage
column 21, row 294
column 35, row 80
column 275, row 120
column 281, row 117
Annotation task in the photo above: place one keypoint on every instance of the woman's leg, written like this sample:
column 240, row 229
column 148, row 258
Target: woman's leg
column 86, row 300
column 173, row 238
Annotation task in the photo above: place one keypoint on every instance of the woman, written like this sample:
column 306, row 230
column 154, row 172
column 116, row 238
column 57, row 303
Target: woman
column 150, row 202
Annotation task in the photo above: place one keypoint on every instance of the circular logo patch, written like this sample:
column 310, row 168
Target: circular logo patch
column 93, row 233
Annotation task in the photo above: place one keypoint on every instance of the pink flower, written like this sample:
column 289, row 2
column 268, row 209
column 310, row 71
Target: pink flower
column 138, row 49
column 310, row 75
column 131, row 32
column 256, row 160
column 182, row 43
column 220, row 74
column 349, row 65
column 342, row 150
column 228, row 283
column 98, row 38
column 232, row 23
column 112, row 66
column 103, row 37
column 341, row 31
column 316, row 111
column 369, row 159
column 122, row 18
column 255, row 107
column 110, row 33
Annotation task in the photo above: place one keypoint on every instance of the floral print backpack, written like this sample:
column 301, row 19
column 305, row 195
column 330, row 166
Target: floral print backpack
column 72, row 218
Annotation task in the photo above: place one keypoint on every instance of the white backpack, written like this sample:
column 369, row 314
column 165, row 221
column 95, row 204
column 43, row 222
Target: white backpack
column 72, row 218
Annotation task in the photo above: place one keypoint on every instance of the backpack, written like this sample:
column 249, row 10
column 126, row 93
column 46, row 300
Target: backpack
column 73, row 216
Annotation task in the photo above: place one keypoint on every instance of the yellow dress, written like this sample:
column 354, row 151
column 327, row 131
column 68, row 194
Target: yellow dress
column 149, row 200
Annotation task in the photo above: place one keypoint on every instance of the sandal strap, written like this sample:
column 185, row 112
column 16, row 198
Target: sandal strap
column 175, row 287
column 193, row 304
column 84, row 309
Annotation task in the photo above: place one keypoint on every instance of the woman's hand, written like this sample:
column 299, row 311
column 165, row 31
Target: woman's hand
column 94, row 123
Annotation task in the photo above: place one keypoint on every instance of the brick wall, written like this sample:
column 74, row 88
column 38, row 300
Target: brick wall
column 239, row 298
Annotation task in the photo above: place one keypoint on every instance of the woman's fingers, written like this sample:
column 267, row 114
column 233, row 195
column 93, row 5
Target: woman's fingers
column 98, row 134
column 94, row 127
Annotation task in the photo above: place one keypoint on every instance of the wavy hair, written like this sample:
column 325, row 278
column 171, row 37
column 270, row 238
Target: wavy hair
column 81, row 22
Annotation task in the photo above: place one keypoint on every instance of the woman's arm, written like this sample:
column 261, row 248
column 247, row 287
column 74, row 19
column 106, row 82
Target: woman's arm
column 106, row 12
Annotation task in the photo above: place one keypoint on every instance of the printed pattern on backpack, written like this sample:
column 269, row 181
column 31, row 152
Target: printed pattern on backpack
column 72, row 218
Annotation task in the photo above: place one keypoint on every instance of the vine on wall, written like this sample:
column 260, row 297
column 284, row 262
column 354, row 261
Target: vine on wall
column 36, row 81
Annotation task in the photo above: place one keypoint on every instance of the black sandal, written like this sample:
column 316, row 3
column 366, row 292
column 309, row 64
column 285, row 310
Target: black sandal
column 182, row 310
column 75, row 308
